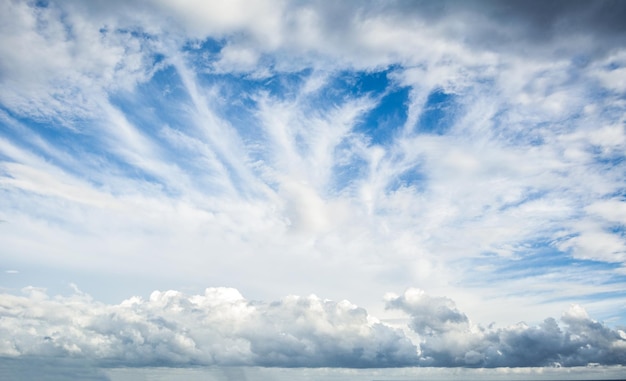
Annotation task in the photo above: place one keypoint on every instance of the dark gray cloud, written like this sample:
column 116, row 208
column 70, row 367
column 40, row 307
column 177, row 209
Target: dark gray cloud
column 448, row 339
column 548, row 28
column 308, row 332
column 430, row 315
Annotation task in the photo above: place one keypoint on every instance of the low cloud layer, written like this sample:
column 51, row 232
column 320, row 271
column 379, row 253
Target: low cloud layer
column 449, row 339
column 217, row 328
column 222, row 328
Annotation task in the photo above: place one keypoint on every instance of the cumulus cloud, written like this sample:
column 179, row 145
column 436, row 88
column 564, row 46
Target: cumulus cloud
column 219, row 327
column 448, row 338
column 429, row 315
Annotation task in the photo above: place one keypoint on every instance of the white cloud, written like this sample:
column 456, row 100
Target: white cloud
column 217, row 328
column 612, row 210
column 597, row 245
column 69, row 61
column 221, row 327
column 260, row 21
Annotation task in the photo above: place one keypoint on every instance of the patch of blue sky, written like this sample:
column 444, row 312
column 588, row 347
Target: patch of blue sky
column 144, row 115
column 347, row 174
column 530, row 194
column 619, row 194
column 105, row 164
column 606, row 279
column 607, row 159
column 239, row 94
column 239, row 112
column 387, row 119
column 349, row 84
column 380, row 124
column 238, row 101
column 150, row 117
column 240, row 90
column 413, row 178
column 203, row 47
column 33, row 133
column 614, row 65
column 360, row 83
column 618, row 229
column 439, row 113
column 285, row 85
column 233, row 86
column 348, row 169
column 137, row 33
column 162, row 100
column 161, row 103
column 592, row 297
column 540, row 257
column 200, row 54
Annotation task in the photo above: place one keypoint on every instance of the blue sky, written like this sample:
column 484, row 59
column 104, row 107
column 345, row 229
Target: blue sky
column 351, row 185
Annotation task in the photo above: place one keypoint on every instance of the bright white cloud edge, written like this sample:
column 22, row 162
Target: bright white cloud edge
column 222, row 328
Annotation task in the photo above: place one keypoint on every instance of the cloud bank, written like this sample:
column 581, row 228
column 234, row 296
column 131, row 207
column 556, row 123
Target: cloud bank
column 449, row 339
column 217, row 328
column 223, row 328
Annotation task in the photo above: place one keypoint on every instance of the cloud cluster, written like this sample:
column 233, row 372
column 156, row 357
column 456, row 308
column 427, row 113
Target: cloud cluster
column 222, row 328
column 449, row 339
column 217, row 328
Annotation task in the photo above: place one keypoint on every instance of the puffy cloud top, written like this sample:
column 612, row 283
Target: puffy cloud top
column 221, row 327
column 217, row 328
column 429, row 315
column 449, row 339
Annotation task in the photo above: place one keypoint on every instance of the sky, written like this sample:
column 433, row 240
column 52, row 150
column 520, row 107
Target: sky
column 331, row 186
